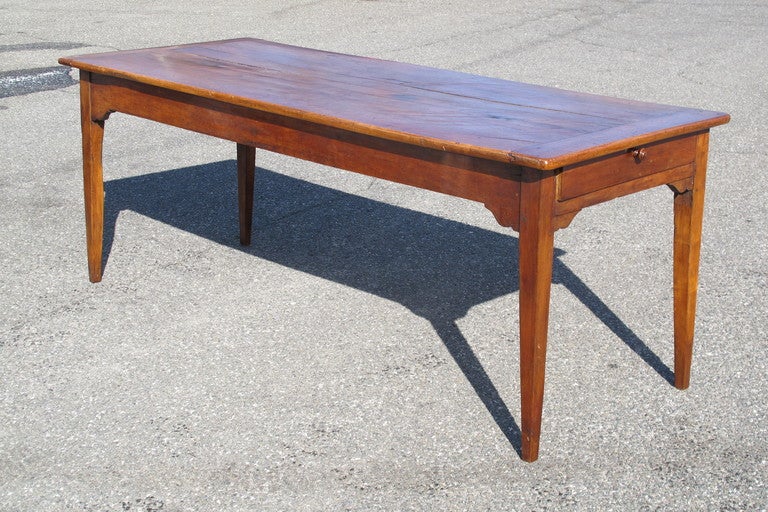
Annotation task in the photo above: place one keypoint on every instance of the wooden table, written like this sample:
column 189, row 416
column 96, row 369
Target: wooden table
column 535, row 156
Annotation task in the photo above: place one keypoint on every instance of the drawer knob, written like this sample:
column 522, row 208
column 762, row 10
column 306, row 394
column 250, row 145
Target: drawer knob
column 639, row 154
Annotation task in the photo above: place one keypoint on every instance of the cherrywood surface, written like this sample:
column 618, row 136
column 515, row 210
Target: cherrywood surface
column 535, row 156
column 688, row 211
column 246, row 173
column 93, row 182
column 536, row 249
column 613, row 170
column 535, row 126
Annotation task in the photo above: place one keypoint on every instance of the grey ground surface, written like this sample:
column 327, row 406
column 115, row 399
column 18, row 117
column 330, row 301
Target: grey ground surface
column 362, row 353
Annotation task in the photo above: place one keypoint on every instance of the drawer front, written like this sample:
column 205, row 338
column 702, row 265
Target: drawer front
column 582, row 179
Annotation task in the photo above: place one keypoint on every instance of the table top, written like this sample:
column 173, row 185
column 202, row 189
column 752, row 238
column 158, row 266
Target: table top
column 536, row 126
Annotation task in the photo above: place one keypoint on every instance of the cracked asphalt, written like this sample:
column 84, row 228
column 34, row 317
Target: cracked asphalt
column 361, row 354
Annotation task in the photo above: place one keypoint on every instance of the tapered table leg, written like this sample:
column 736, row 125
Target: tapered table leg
column 246, row 163
column 93, row 181
column 689, row 208
column 536, row 254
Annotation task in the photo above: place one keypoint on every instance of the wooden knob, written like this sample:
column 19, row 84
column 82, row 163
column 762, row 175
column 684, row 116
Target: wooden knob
column 639, row 154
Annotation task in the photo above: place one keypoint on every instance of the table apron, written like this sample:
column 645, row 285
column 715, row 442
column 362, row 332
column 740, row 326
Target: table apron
column 496, row 184
column 493, row 183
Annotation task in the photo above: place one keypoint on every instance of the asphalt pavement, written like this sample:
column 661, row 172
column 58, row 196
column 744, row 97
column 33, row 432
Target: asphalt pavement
column 362, row 353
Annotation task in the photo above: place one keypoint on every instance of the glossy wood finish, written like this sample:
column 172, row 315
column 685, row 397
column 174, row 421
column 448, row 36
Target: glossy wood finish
column 540, row 127
column 689, row 212
column 537, row 237
column 92, row 128
column 246, row 169
column 533, row 155
column 624, row 167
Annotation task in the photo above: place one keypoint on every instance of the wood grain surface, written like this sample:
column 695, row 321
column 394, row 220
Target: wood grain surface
column 539, row 127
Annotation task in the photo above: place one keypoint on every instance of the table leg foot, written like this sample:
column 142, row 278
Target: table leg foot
column 246, row 164
column 688, row 207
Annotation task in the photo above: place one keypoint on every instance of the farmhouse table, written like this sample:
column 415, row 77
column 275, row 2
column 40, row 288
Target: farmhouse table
column 535, row 156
